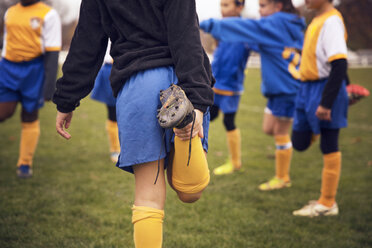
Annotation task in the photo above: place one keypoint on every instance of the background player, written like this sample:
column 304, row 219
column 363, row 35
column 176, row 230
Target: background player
column 28, row 69
column 322, row 102
column 102, row 92
column 154, row 44
column 279, row 37
column 229, row 60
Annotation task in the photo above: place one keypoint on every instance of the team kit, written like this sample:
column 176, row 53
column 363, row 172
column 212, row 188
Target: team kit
column 156, row 81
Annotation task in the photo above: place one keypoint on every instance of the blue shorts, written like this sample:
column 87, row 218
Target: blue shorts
column 227, row 104
column 140, row 135
column 308, row 100
column 22, row 82
column 282, row 106
column 102, row 89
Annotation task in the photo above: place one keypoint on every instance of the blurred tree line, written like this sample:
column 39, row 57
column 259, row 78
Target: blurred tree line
column 357, row 15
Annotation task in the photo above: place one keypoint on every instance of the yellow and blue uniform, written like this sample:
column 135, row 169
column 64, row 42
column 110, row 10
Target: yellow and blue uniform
column 279, row 39
column 30, row 31
column 325, row 41
column 228, row 69
column 323, row 66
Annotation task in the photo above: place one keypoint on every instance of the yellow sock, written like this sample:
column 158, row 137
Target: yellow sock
column 194, row 177
column 234, row 144
column 113, row 134
column 283, row 156
column 29, row 138
column 330, row 177
column 148, row 227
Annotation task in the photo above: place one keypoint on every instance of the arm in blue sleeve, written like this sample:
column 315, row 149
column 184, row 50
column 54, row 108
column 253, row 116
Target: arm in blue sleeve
column 237, row 29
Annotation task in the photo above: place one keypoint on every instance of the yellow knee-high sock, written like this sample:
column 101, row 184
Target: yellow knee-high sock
column 194, row 177
column 234, row 144
column 283, row 156
column 148, row 227
column 113, row 134
column 330, row 177
column 29, row 138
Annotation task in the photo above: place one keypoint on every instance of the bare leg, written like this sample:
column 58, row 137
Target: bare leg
column 146, row 192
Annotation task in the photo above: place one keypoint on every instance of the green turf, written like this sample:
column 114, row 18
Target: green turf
column 78, row 198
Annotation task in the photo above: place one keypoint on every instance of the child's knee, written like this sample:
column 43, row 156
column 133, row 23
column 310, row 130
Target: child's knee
column 189, row 198
column 268, row 130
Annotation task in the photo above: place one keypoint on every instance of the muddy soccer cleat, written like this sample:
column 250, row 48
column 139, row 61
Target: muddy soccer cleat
column 273, row 184
column 176, row 110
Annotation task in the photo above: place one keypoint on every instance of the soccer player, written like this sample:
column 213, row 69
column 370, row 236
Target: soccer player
column 154, row 44
column 28, row 70
column 102, row 92
column 228, row 67
column 322, row 102
column 279, row 37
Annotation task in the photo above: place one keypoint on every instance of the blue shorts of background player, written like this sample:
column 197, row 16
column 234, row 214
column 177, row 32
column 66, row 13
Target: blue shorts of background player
column 102, row 90
column 227, row 104
column 282, row 106
column 142, row 139
column 307, row 102
column 22, row 82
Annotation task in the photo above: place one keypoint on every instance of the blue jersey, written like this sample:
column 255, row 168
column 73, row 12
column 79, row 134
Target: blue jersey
column 279, row 39
column 228, row 66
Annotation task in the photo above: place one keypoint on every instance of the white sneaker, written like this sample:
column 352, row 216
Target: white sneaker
column 314, row 209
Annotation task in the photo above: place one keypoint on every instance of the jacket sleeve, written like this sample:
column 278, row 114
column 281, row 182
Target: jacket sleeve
column 192, row 69
column 50, row 74
column 84, row 59
column 235, row 29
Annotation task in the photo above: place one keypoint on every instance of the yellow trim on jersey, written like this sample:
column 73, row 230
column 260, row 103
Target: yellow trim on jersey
column 337, row 56
column 223, row 92
column 52, row 49
column 309, row 66
column 24, row 31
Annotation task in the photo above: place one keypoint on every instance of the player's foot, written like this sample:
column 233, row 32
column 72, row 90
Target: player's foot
column 225, row 169
column 314, row 209
column 273, row 184
column 356, row 92
column 114, row 156
column 24, row 171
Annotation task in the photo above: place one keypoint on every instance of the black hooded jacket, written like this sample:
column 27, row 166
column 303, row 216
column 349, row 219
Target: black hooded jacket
column 144, row 34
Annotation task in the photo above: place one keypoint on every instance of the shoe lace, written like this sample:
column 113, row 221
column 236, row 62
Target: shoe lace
column 161, row 149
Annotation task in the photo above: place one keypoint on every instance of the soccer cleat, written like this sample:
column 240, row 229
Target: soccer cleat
column 114, row 156
column 273, row 184
column 24, row 171
column 356, row 92
column 314, row 209
column 224, row 169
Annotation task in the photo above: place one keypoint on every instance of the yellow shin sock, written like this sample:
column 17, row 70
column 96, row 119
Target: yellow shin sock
column 283, row 156
column 192, row 178
column 148, row 227
column 29, row 138
column 113, row 134
column 330, row 177
column 234, row 144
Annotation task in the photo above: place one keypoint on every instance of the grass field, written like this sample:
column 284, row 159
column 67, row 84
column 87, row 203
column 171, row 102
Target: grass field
column 78, row 198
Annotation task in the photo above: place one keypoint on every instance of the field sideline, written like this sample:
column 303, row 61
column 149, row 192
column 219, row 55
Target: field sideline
column 78, row 198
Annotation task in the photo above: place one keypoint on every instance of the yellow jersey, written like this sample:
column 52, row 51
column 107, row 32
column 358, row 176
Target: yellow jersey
column 325, row 41
column 30, row 31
